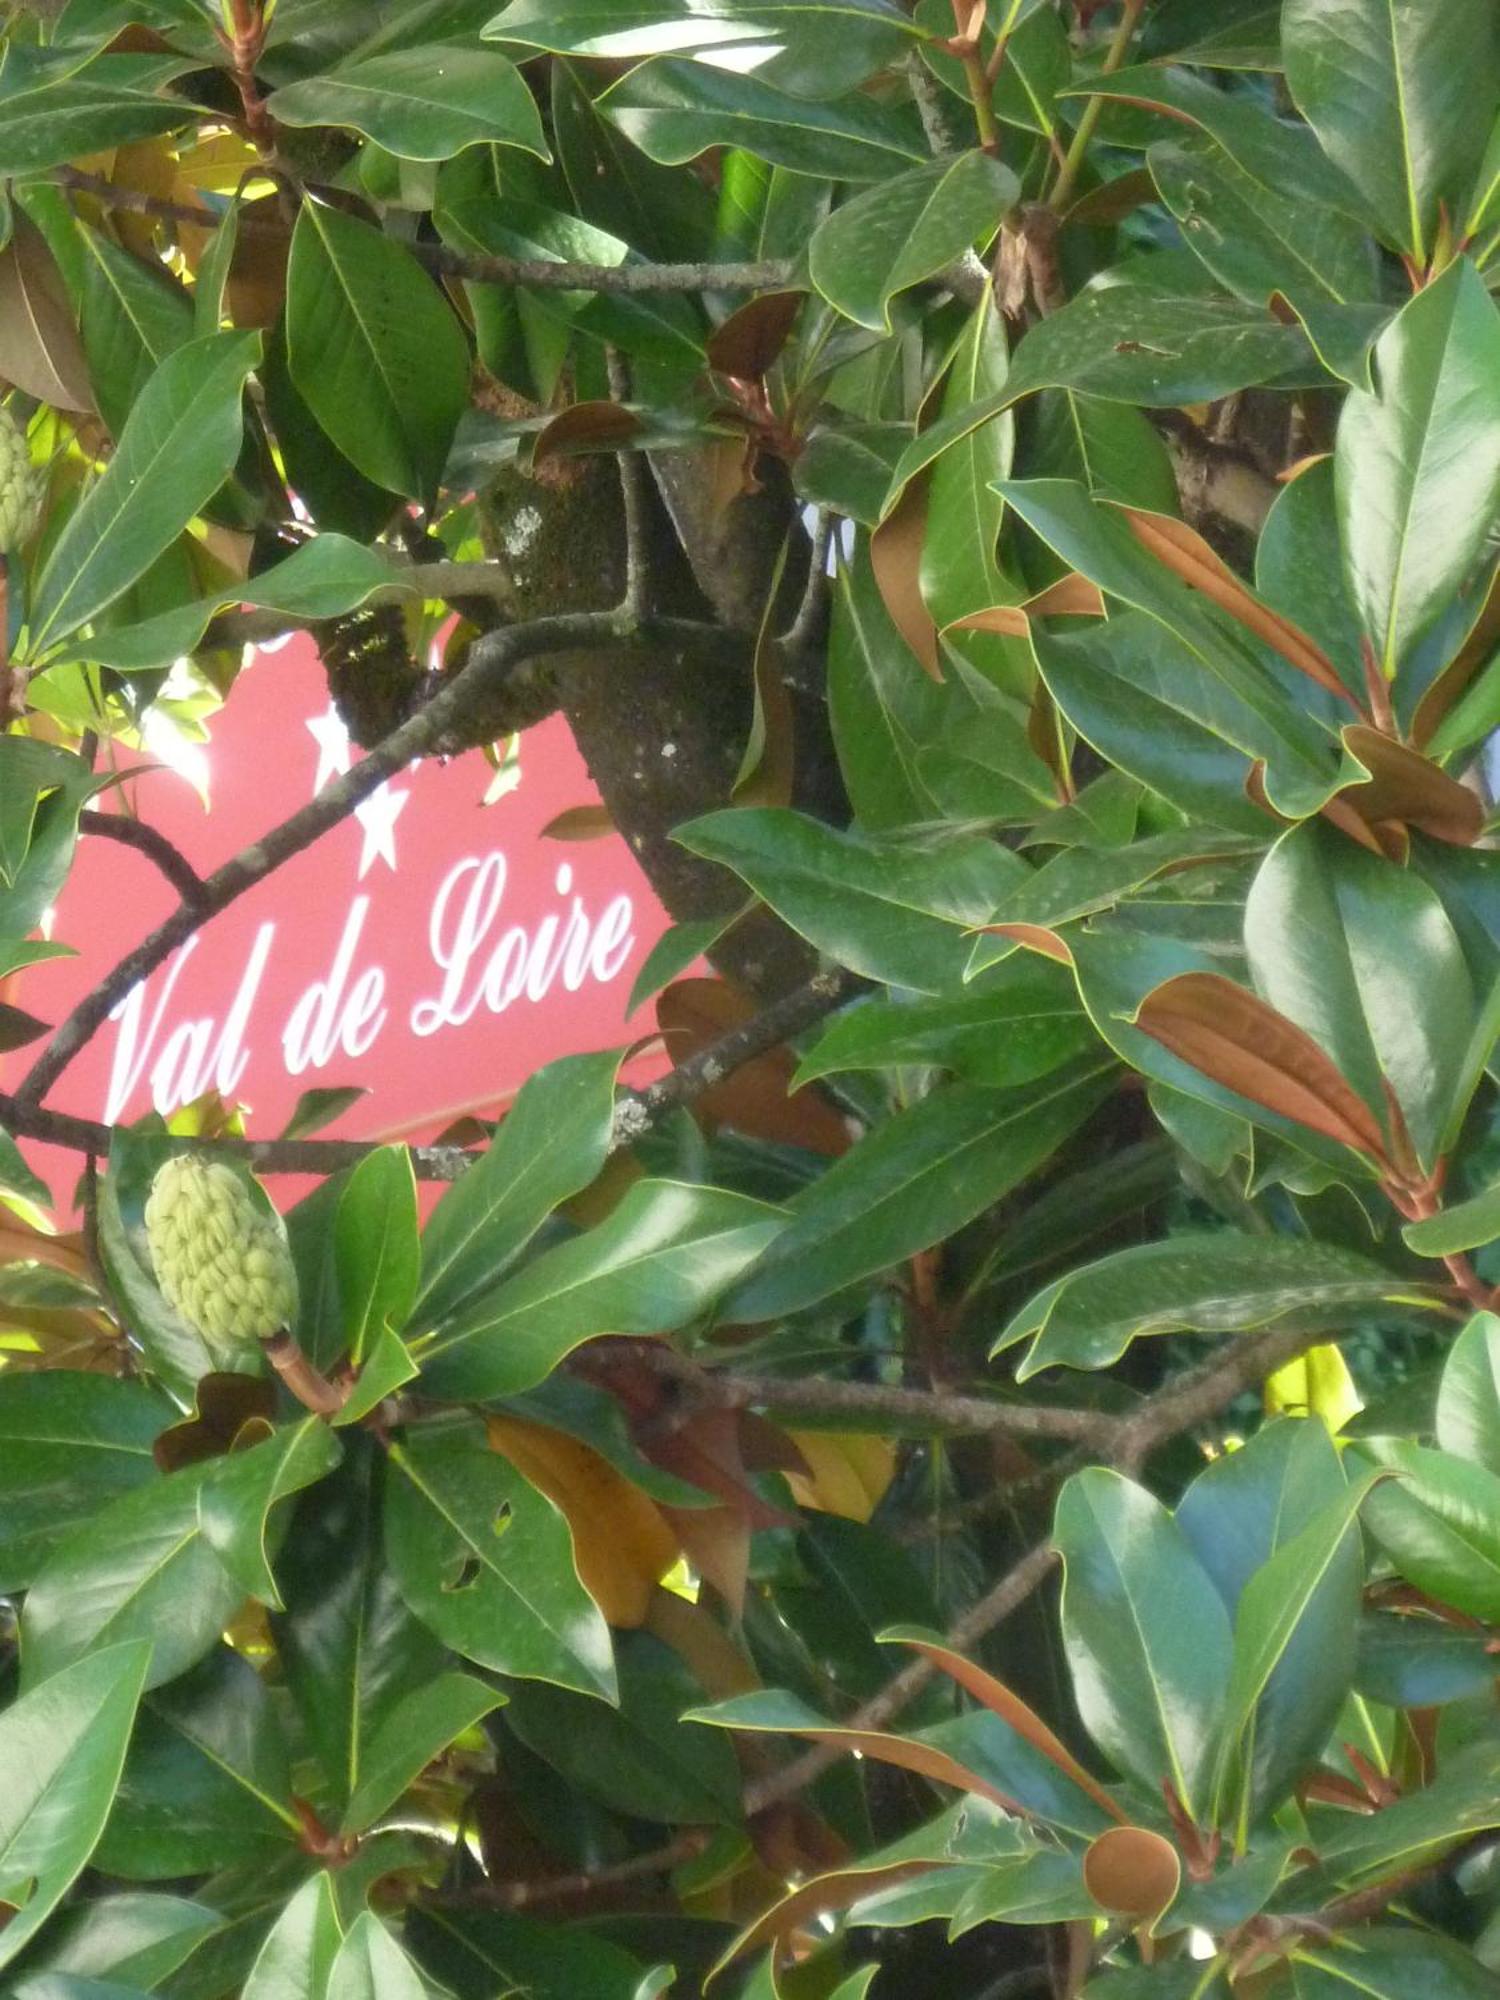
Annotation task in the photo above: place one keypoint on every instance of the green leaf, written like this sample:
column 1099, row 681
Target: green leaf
column 660, row 1258
column 1464, row 1225
column 907, row 228
column 377, row 1249
column 1246, row 1505
column 1413, row 1662
column 374, row 350
column 978, row 1745
column 1146, row 1633
column 1417, row 466
column 1109, row 447
column 1128, row 344
column 660, row 213
column 1255, row 239
column 208, row 1781
column 1223, row 1282
column 236, row 1500
column 297, row 1957
column 884, row 709
column 1468, row 1401
column 372, row 1966
column 490, row 1951
column 1299, row 569
column 323, row 579
column 1400, row 99
column 912, row 1182
column 318, row 1108
column 487, row 1562
column 676, row 110
column 69, row 1443
column 625, row 29
column 891, row 909
column 554, row 1140
column 1095, row 538
column 1294, row 1650
column 413, row 1734
column 637, row 1759
column 1463, row 1799
column 350, row 1648
column 130, row 1935
column 1361, row 954
column 140, row 1568
column 178, row 446
column 63, row 118
column 1439, row 1522
column 420, row 104
column 1021, row 1025
column 61, row 1747
column 1390, row 1964
column 1041, row 1888
column 131, row 317
column 387, row 1366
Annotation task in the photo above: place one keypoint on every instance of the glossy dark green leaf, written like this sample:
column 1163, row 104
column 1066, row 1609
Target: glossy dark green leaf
column 1468, row 1404
column 127, row 1936
column 374, row 350
column 487, row 1562
column 912, row 1182
column 61, row 1747
column 885, row 710
column 1110, row 448
column 139, row 1568
column 553, row 1141
column 421, row 104
column 638, row 1759
column 1042, row 1888
column 892, row 909
column 1417, row 465
column 480, row 1951
column 376, row 1247
column 1402, row 101
column 208, row 1780
column 660, row 1258
column 626, row 29
column 1299, row 568
column 336, row 494
column 371, row 1965
column 1132, row 345
column 1023, row 1024
column 48, row 120
column 416, row 1731
column 69, row 1442
column 350, row 1648
column 238, row 1499
column 1224, row 1282
column 297, row 1957
column 1439, row 1523
column 1147, row 1636
column 1294, row 1651
column 1255, row 239
column 1390, row 1964
column 1463, row 1799
column 657, row 211
column 131, row 317
column 901, row 231
column 322, row 579
column 1462, row 1225
column 178, row 446
column 676, row 110
column 1361, row 954
column 1416, row 1662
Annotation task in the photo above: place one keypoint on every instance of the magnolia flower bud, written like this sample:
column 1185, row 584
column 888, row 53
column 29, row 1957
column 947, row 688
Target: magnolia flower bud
column 222, row 1262
column 20, row 486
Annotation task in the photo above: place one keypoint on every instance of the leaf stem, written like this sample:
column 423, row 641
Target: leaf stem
column 1114, row 55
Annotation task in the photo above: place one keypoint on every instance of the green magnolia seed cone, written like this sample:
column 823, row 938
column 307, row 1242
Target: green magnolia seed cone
column 221, row 1261
column 20, row 487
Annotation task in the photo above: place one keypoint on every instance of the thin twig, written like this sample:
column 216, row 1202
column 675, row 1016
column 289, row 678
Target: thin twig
column 543, row 274
column 634, row 501
column 151, row 842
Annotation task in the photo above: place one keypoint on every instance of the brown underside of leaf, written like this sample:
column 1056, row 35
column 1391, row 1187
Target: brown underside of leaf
column 896, row 559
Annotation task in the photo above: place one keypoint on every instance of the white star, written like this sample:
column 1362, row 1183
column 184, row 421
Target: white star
column 377, row 815
column 332, row 739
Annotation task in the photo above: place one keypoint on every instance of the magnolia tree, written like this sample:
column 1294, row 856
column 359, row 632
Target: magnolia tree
column 985, row 1478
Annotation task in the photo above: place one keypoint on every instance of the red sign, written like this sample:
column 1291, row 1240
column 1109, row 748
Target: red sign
column 432, row 947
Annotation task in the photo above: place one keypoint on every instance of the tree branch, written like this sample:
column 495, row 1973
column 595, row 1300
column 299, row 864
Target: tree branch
column 634, row 502
column 541, row 273
column 491, row 658
column 151, row 842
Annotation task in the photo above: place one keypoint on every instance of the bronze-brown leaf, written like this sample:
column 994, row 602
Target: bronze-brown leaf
column 1231, row 1035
